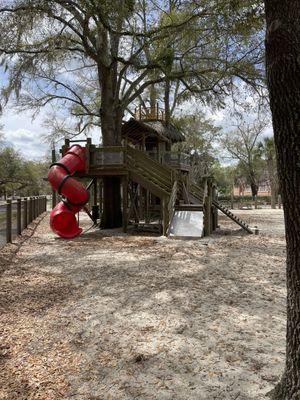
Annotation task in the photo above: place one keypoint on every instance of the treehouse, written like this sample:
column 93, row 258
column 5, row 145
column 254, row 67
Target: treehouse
column 149, row 132
column 157, row 187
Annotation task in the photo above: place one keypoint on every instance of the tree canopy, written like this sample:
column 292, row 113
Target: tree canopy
column 95, row 59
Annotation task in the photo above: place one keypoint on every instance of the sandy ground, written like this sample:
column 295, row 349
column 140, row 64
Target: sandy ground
column 114, row 316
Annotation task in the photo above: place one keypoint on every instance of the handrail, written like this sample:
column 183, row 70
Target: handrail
column 165, row 173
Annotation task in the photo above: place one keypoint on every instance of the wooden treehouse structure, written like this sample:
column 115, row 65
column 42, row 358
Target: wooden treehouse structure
column 156, row 182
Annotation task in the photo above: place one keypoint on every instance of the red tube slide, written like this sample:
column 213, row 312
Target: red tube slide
column 62, row 218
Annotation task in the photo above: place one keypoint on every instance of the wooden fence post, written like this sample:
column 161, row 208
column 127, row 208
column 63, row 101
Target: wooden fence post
column 35, row 207
column 30, row 211
column 19, row 226
column 8, row 221
column 25, row 213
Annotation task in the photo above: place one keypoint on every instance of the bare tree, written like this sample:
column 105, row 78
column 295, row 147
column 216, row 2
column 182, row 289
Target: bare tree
column 241, row 143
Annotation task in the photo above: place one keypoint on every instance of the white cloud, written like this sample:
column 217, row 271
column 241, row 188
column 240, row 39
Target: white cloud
column 24, row 134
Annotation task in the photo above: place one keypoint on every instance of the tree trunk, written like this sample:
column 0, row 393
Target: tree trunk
column 112, row 214
column 254, row 190
column 283, row 72
column 111, row 125
column 273, row 194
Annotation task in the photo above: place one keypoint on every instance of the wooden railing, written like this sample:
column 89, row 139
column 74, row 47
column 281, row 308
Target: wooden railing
column 108, row 156
column 16, row 215
column 150, row 113
column 172, row 158
column 114, row 156
column 161, row 175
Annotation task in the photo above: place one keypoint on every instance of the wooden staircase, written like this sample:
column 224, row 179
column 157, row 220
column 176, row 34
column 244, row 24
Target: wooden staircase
column 160, row 180
column 234, row 218
column 149, row 173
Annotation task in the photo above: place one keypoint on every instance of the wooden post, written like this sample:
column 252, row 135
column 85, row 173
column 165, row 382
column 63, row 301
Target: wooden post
column 215, row 210
column 8, row 221
column 165, row 213
column 207, row 210
column 30, row 210
column 206, row 216
column 25, row 213
column 87, row 154
column 19, row 227
column 125, row 203
column 35, row 208
column 54, row 200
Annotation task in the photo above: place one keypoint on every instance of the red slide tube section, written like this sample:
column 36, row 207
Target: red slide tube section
column 63, row 217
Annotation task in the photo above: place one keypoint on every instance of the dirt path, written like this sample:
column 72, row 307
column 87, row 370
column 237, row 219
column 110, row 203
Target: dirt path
column 130, row 317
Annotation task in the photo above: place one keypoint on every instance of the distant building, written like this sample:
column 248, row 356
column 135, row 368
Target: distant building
column 242, row 189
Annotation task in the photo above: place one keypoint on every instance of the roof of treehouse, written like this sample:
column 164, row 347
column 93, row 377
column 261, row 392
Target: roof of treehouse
column 135, row 130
